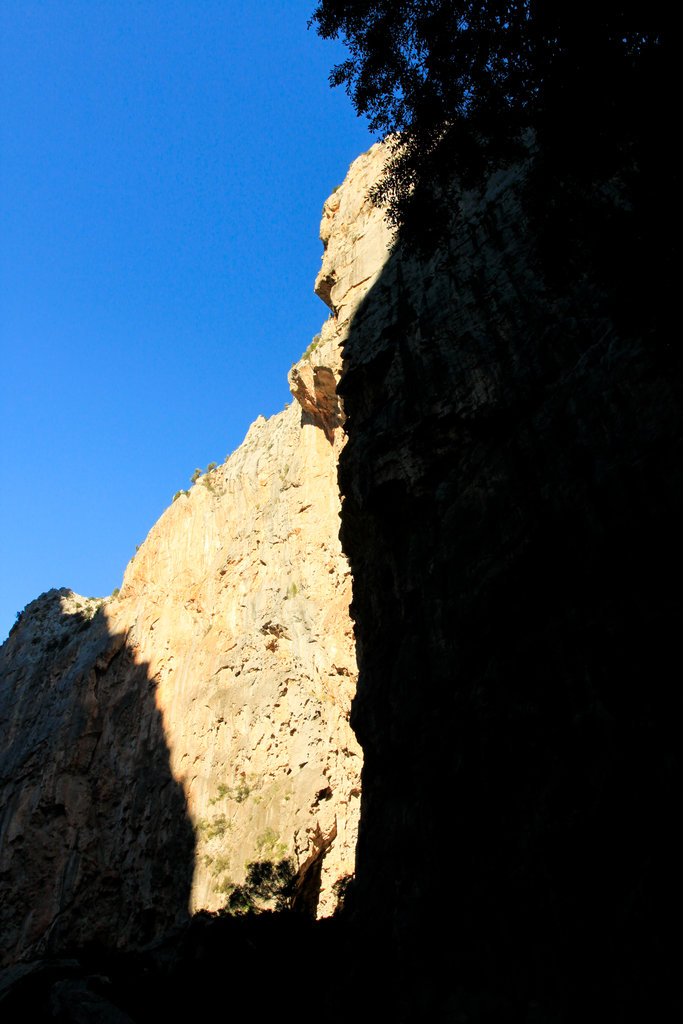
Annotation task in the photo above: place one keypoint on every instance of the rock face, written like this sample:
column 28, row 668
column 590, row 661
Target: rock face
column 196, row 722
column 512, row 489
column 512, row 496
column 95, row 838
column 155, row 743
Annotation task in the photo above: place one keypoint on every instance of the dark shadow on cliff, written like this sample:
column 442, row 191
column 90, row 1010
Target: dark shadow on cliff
column 512, row 498
column 98, row 855
column 95, row 838
column 256, row 968
column 513, row 489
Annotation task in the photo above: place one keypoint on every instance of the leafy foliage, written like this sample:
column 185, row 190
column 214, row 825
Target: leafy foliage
column 267, row 885
column 460, row 83
column 214, row 828
column 339, row 890
column 239, row 793
column 311, row 348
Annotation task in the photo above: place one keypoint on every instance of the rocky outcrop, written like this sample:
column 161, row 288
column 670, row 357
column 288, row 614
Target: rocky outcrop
column 95, row 839
column 209, row 700
column 512, row 493
column 156, row 742
column 249, row 638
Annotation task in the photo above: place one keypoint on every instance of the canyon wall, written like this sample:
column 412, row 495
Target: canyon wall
column 156, row 742
column 512, row 488
column 511, row 498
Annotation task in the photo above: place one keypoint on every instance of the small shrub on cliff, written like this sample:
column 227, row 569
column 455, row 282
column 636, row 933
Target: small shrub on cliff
column 222, row 792
column 339, row 891
column 221, row 864
column 267, row 843
column 225, row 792
column 242, row 791
column 217, row 827
column 312, row 347
column 267, row 885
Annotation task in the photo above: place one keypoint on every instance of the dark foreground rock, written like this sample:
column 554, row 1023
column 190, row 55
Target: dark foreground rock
column 512, row 498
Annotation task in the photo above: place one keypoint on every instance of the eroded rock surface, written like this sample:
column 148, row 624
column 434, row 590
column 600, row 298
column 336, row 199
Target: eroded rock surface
column 155, row 743
column 215, row 688
column 95, row 839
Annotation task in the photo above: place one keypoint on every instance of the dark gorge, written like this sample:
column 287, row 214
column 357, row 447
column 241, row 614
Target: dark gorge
column 512, row 485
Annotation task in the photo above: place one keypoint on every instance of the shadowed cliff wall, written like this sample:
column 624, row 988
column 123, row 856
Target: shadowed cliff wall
column 512, row 490
column 95, row 840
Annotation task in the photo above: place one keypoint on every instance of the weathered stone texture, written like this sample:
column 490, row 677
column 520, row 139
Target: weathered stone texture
column 233, row 637
column 155, row 743
column 95, row 841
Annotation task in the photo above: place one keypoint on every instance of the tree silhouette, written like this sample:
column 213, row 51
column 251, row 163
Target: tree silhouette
column 268, row 884
column 460, row 83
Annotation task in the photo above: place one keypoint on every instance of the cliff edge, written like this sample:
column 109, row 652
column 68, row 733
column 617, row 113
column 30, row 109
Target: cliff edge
column 156, row 742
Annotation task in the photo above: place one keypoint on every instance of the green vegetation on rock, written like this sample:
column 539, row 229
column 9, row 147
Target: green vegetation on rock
column 268, row 885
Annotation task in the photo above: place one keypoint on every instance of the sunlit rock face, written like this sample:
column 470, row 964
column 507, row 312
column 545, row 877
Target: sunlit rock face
column 155, row 743
column 238, row 601
column 228, row 659
column 512, row 494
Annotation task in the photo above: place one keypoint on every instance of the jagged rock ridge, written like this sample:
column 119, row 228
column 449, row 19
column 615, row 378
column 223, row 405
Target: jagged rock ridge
column 155, row 742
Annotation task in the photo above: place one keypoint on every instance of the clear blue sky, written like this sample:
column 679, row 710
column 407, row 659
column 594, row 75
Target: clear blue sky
column 163, row 165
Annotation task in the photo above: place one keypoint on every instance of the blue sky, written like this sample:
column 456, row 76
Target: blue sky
column 163, row 165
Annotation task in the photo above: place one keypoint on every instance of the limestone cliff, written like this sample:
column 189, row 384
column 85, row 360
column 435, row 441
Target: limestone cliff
column 512, row 497
column 155, row 742
column 194, row 723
